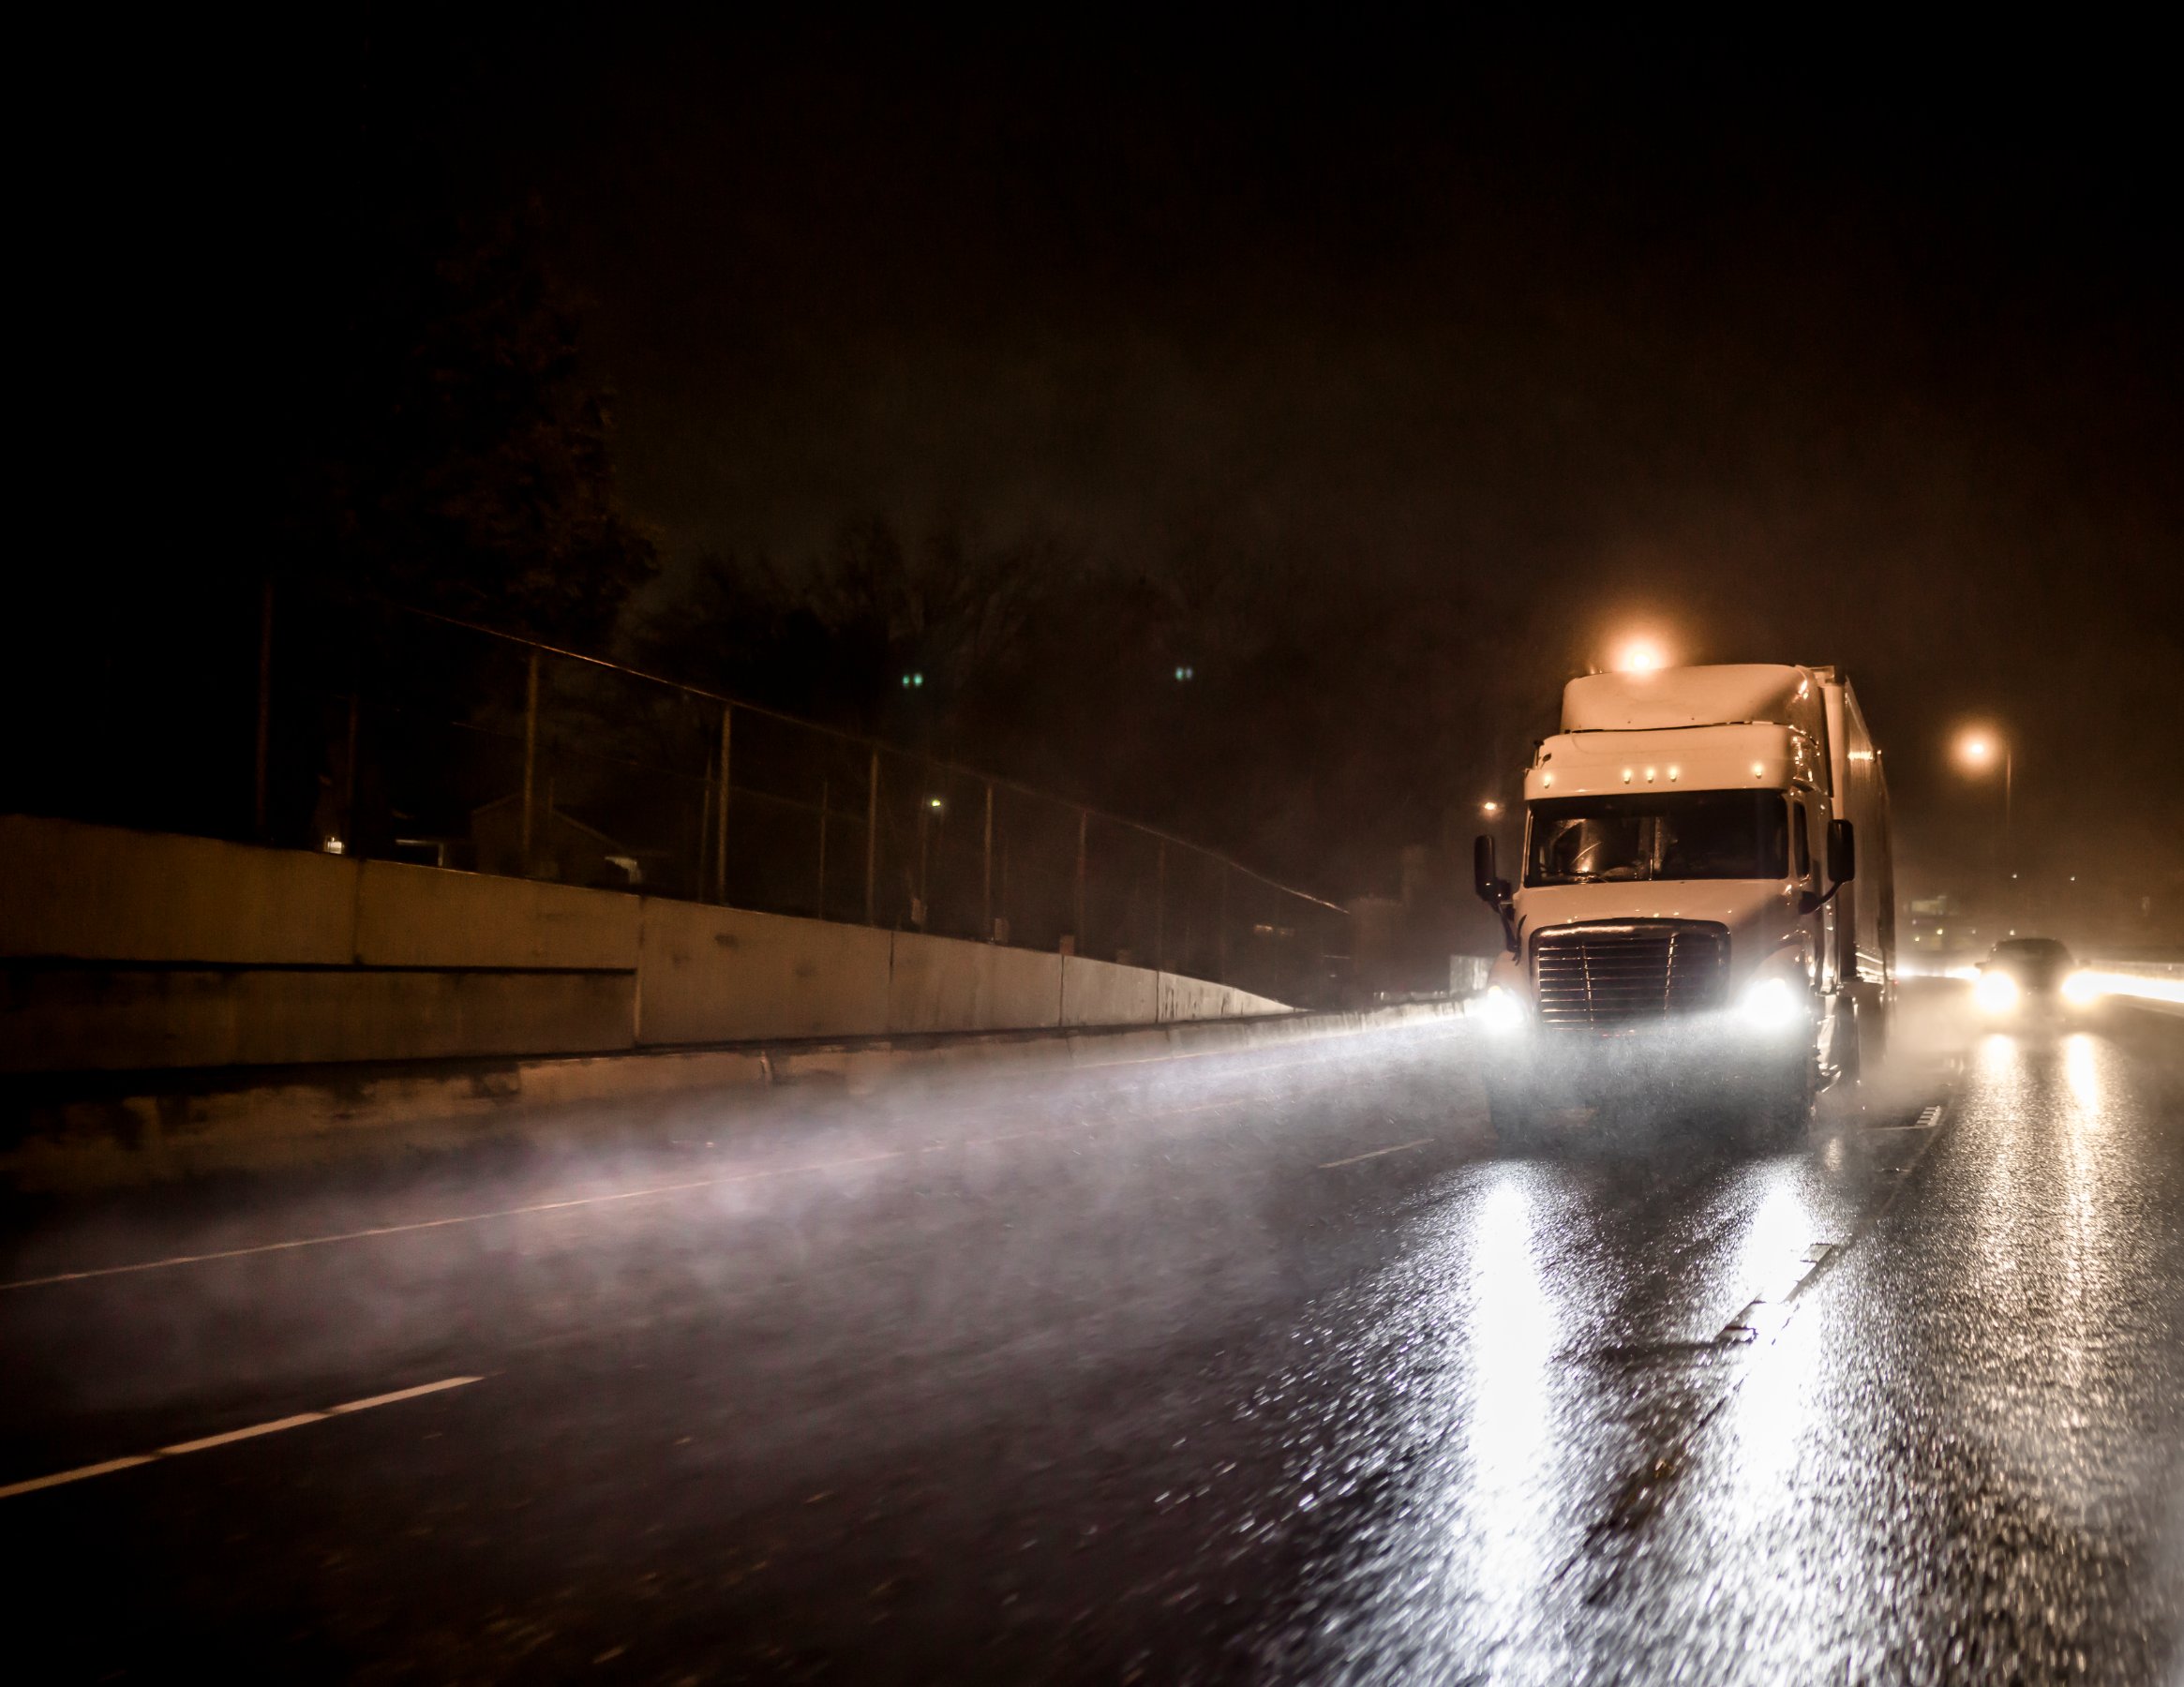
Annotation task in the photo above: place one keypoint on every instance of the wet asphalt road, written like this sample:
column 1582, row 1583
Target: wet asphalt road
column 1258, row 1368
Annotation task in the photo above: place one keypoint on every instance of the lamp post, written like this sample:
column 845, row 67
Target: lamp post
column 1978, row 751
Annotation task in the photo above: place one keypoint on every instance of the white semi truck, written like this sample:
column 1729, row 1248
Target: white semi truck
column 1703, row 909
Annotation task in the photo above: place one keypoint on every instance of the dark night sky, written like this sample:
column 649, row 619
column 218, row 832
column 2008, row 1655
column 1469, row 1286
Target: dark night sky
column 1874, row 361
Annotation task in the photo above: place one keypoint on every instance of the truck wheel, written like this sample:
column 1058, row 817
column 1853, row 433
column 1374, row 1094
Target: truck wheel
column 1788, row 1108
column 1516, row 1113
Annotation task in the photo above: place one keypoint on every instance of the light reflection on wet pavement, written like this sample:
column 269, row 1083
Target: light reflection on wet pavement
column 1168, row 1398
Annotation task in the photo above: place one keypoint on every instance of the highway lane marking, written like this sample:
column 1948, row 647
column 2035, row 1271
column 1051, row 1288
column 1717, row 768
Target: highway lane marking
column 399, row 1394
column 1749, row 1336
column 355, row 1235
column 228, row 1437
column 584, row 1200
column 1928, row 1118
column 1356, row 1158
column 205, row 1443
column 80, row 1474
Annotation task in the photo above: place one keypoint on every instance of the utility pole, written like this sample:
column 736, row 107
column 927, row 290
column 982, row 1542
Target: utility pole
column 2009, row 833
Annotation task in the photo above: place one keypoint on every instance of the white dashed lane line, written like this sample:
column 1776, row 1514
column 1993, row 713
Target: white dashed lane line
column 1357, row 1159
column 653, row 1192
column 204, row 1444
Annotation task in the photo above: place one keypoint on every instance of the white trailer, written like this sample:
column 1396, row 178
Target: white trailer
column 1704, row 902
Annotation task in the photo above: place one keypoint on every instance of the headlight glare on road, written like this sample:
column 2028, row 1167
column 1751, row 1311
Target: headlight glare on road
column 1769, row 1004
column 1996, row 992
column 1499, row 1008
column 2080, row 987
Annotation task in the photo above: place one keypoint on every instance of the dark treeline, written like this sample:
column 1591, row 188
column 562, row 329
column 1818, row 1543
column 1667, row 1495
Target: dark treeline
column 405, row 415
column 1380, row 397
column 1258, row 713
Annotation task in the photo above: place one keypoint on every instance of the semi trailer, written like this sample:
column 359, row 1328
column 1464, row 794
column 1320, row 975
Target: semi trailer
column 1702, row 909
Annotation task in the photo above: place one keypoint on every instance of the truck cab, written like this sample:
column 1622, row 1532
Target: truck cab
column 1685, row 913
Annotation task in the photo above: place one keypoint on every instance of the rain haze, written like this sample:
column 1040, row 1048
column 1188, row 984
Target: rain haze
column 814, row 900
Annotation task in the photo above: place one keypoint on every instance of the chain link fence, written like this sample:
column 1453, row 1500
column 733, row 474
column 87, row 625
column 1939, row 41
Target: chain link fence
column 368, row 730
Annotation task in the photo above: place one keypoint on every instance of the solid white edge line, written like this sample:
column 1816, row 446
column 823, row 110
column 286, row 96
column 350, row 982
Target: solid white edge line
column 105, row 1468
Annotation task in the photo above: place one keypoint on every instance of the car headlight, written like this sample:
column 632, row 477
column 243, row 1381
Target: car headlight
column 1499, row 1009
column 2080, row 987
column 1770, row 1004
column 1996, row 992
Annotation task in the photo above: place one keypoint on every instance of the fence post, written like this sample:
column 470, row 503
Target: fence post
column 986, row 881
column 349, row 784
column 872, row 845
column 1221, row 931
column 1084, row 822
column 706, row 804
column 822, row 902
column 720, row 841
column 1160, row 907
column 264, row 739
column 920, row 913
column 530, row 762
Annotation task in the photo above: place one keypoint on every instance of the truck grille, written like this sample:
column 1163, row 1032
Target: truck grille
column 1608, row 976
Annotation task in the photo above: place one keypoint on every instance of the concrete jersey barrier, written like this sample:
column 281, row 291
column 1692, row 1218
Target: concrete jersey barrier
column 135, row 951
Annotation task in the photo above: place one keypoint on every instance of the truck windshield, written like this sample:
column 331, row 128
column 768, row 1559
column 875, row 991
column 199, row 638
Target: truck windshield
column 1658, row 835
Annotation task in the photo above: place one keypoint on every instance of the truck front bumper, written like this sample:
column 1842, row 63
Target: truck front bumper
column 1706, row 1058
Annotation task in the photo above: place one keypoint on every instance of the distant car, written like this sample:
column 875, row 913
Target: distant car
column 2036, row 973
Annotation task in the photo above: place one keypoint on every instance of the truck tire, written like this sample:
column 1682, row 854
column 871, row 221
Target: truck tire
column 1516, row 1114
column 1787, row 1109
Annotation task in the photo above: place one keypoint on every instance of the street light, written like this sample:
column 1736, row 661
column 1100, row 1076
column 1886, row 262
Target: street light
column 1980, row 750
column 1640, row 656
column 1490, row 809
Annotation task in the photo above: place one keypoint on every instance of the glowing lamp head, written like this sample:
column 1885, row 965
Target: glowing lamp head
column 1640, row 656
column 1976, row 749
column 1771, row 1004
column 1499, row 1009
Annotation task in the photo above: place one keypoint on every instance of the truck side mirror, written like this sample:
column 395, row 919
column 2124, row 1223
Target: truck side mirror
column 1842, row 852
column 1493, row 889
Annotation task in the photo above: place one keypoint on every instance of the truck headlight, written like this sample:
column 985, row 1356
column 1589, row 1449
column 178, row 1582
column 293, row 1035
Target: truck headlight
column 1770, row 1004
column 2080, row 987
column 1996, row 992
column 1499, row 1009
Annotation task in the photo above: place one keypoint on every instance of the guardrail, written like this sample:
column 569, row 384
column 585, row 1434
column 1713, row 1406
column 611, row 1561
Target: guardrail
column 2145, row 980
